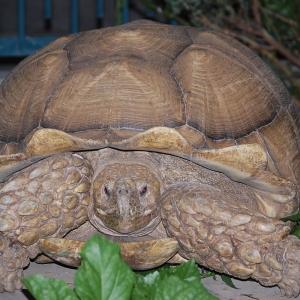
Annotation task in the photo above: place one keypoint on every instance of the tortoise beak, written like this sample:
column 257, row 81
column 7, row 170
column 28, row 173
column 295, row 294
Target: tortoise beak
column 141, row 255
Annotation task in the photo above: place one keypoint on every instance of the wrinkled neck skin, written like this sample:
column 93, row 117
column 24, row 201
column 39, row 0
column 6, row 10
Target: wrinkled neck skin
column 125, row 193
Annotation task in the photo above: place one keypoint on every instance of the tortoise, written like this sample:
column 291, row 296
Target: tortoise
column 150, row 134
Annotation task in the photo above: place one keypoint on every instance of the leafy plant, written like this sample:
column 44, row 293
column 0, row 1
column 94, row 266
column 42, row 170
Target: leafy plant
column 120, row 6
column 296, row 219
column 227, row 280
column 104, row 275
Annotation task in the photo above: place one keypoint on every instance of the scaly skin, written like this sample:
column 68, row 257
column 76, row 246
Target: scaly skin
column 46, row 199
column 231, row 239
column 13, row 259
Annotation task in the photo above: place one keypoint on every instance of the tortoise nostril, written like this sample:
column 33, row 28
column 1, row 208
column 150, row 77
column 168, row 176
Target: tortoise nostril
column 123, row 191
column 123, row 188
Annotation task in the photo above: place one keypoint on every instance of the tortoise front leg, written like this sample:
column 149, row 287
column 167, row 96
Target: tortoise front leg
column 231, row 239
column 49, row 198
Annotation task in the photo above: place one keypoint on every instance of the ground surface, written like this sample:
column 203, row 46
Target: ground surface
column 247, row 290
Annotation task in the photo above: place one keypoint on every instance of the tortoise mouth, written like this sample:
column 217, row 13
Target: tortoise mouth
column 126, row 223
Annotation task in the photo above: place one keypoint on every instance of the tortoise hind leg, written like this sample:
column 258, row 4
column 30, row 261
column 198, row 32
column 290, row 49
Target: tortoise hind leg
column 231, row 239
column 13, row 259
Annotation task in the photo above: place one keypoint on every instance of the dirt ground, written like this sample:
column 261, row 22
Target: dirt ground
column 246, row 289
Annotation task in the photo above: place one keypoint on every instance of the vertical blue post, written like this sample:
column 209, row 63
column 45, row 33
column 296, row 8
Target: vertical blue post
column 100, row 9
column 74, row 16
column 21, row 24
column 125, row 18
column 48, row 9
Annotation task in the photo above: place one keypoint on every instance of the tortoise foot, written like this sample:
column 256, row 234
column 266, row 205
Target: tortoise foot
column 13, row 259
column 231, row 240
column 281, row 265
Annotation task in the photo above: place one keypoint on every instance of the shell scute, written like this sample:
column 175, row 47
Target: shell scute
column 222, row 96
column 281, row 140
column 138, row 39
column 124, row 94
column 24, row 93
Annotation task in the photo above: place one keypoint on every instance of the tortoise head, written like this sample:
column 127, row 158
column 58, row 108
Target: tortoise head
column 125, row 199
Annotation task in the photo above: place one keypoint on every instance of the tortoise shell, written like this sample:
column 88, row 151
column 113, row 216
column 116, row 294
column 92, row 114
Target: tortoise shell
column 98, row 88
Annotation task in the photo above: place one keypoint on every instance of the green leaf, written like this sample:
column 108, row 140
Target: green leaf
column 43, row 288
column 143, row 286
column 296, row 231
column 187, row 271
column 181, row 282
column 295, row 217
column 103, row 274
column 207, row 274
column 226, row 279
column 146, row 272
column 119, row 11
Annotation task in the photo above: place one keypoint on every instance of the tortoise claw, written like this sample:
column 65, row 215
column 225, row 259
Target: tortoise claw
column 138, row 255
column 62, row 250
column 148, row 254
column 43, row 259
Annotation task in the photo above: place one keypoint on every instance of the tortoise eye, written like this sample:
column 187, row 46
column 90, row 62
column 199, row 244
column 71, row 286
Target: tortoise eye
column 144, row 190
column 107, row 192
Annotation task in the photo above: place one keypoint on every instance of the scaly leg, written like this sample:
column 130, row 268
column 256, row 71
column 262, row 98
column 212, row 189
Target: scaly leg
column 13, row 259
column 231, row 239
column 47, row 199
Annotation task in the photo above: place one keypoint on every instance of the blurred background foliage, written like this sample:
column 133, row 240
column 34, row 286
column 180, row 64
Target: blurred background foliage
column 269, row 27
